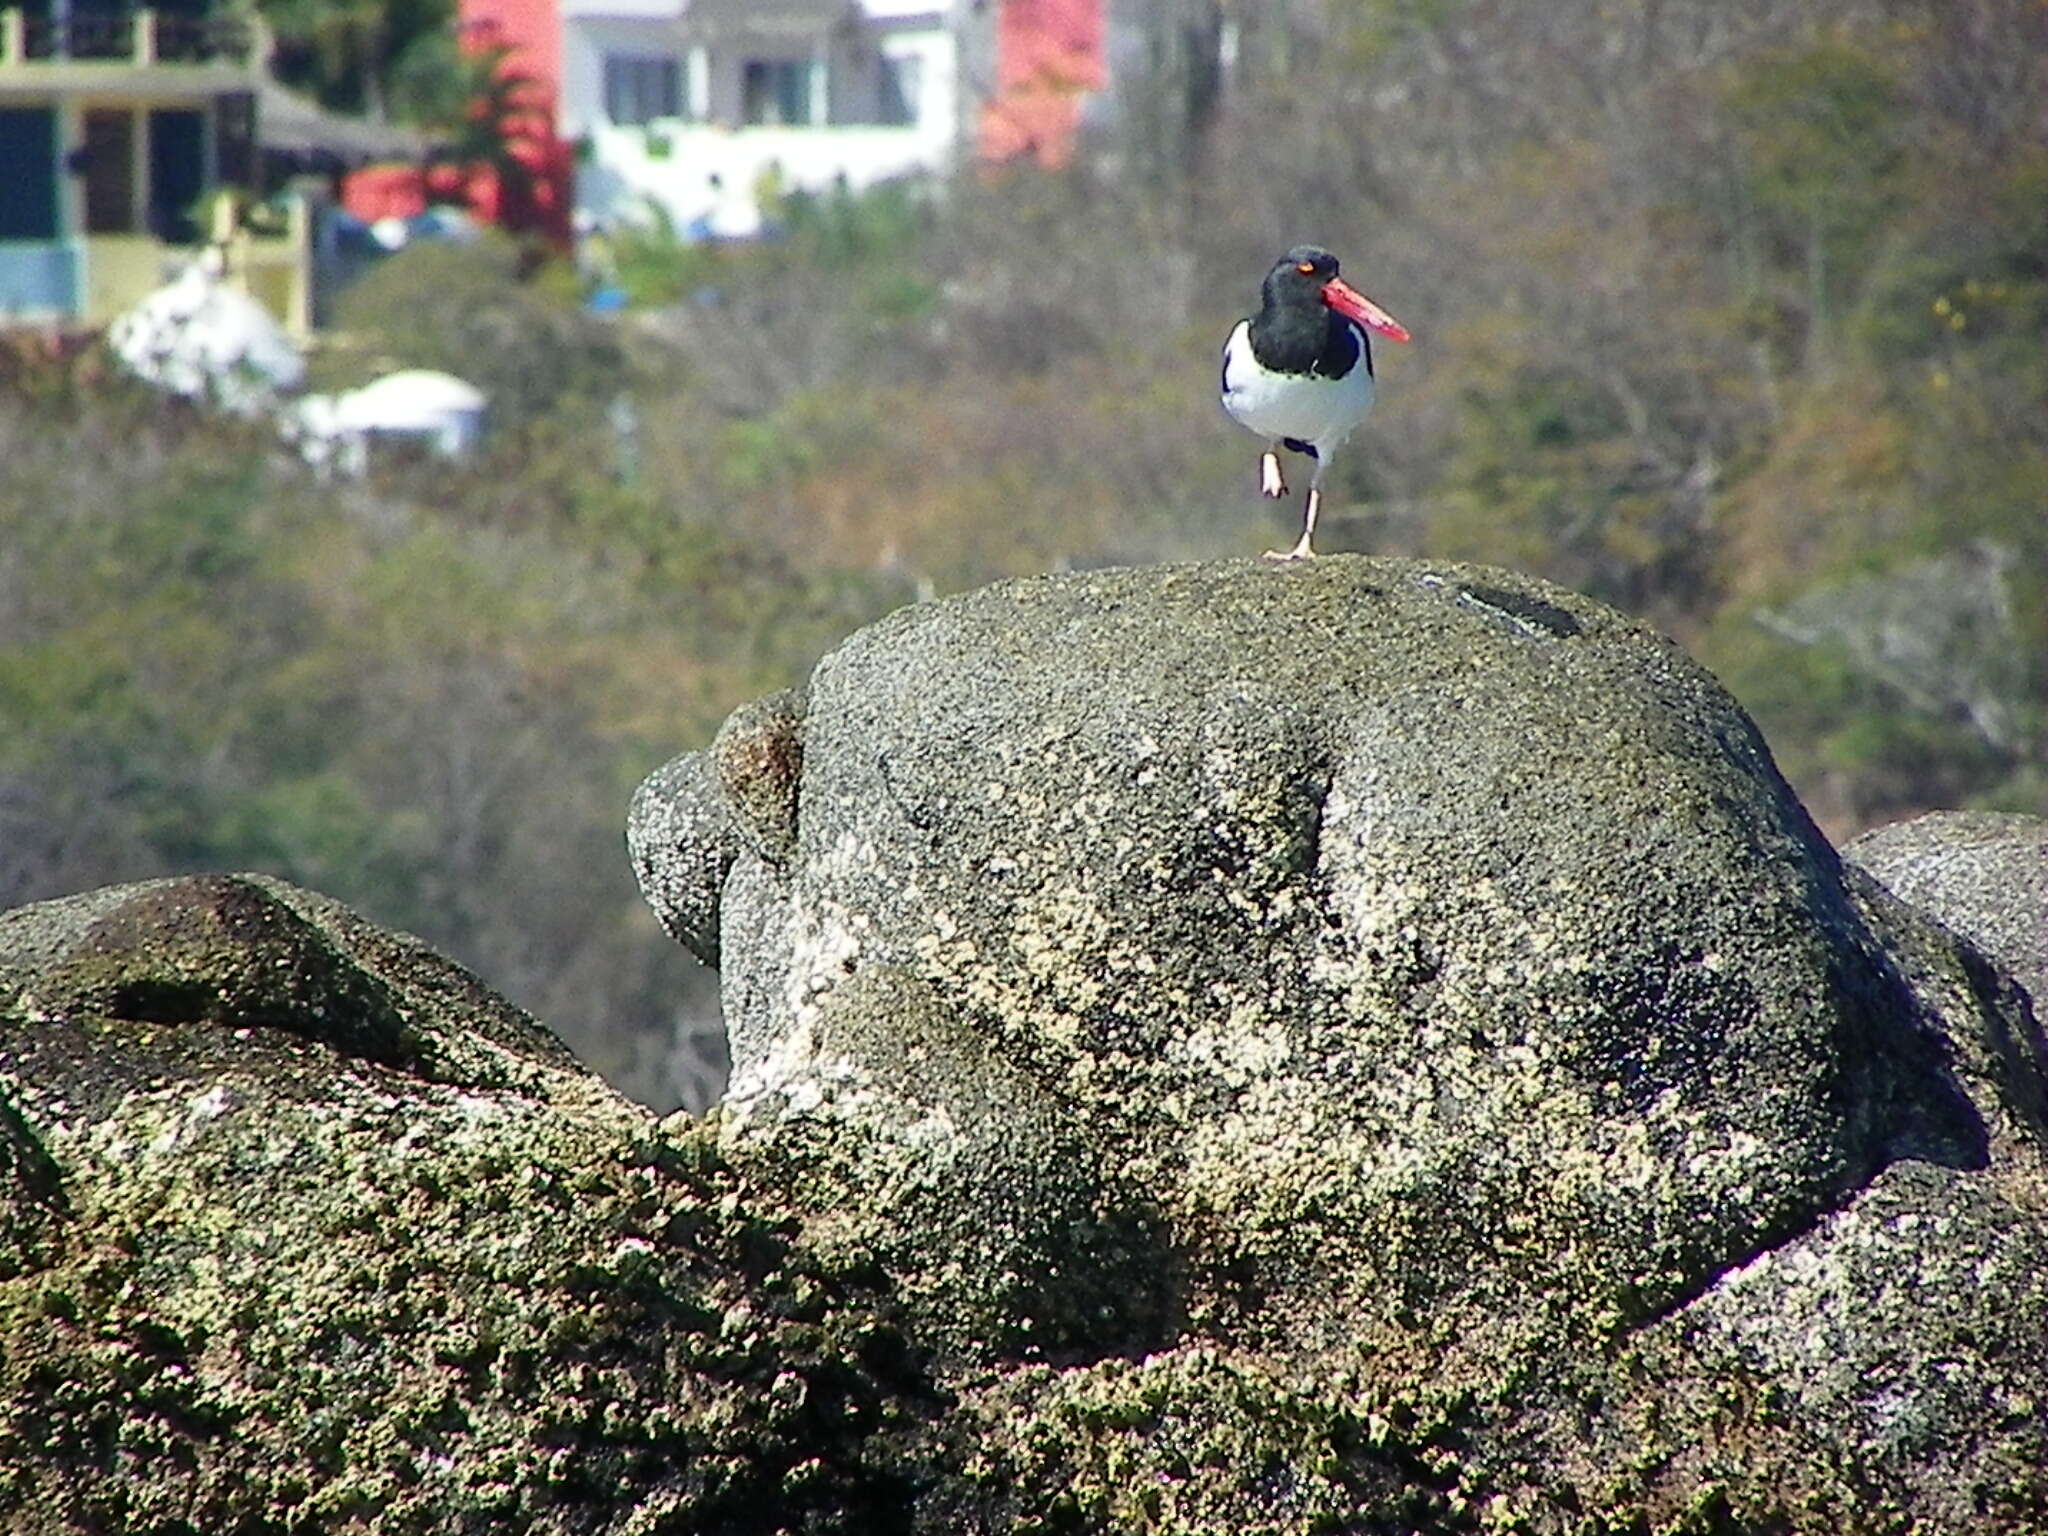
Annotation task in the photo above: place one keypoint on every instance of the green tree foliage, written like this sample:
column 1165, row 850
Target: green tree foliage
column 1816, row 129
column 367, row 56
column 208, row 662
column 1734, row 314
column 490, row 312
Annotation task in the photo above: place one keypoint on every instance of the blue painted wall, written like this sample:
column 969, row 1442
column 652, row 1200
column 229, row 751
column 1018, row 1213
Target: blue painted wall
column 40, row 274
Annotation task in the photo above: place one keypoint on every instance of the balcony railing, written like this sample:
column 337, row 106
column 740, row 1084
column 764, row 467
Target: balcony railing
column 129, row 37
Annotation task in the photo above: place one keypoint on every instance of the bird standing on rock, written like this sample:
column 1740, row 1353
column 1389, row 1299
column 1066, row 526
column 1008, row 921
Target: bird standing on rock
column 1299, row 372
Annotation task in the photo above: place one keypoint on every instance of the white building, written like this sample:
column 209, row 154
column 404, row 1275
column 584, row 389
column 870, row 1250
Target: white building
column 696, row 107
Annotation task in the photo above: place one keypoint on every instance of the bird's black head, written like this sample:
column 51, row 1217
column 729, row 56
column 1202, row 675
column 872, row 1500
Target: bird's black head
column 1299, row 277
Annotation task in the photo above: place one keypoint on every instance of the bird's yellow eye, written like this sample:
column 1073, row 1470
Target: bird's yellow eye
column 1306, row 268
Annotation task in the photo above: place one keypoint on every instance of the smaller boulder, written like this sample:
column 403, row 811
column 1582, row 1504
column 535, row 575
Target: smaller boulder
column 1982, row 873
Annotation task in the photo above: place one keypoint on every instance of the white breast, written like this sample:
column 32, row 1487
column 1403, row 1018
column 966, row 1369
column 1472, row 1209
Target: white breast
column 1303, row 406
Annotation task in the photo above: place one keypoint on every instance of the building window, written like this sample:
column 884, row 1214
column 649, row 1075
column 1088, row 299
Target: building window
column 28, row 146
column 901, row 86
column 176, row 149
column 776, row 93
column 107, row 161
column 639, row 88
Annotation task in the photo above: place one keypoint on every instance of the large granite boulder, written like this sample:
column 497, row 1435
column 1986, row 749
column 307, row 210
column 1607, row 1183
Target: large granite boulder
column 1417, row 976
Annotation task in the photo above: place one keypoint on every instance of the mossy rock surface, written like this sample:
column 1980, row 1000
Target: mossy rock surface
column 312, row 1232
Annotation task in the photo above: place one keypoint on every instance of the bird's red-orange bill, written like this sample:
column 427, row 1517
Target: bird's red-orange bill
column 1352, row 304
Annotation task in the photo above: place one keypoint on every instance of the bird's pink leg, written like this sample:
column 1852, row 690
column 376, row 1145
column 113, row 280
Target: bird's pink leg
column 1301, row 550
column 1271, row 481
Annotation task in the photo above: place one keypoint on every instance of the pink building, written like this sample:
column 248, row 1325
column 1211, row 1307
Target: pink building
column 1049, row 59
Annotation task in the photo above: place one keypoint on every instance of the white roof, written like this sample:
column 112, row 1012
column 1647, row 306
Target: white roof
column 629, row 10
column 892, row 10
column 675, row 10
column 411, row 400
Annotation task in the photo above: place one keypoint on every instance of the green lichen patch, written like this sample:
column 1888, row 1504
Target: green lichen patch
column 221, row 951
column 285, row 1287
column 435, row 1315
column 1197, row 1441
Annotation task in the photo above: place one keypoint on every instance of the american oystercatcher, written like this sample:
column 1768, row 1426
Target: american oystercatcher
column 1299, row 372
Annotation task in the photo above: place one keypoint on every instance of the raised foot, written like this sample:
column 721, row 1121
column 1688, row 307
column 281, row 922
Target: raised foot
column 1271, row 482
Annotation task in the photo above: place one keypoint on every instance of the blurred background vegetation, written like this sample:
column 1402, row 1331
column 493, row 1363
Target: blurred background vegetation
column 1733, row 313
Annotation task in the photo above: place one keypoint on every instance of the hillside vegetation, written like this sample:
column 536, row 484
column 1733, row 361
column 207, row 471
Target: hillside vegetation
column 1735, row 316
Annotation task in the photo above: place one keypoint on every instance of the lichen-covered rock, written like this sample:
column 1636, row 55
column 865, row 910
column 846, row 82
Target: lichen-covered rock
column 302, row 1229
column 1440, row 949
column 1424, row 976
